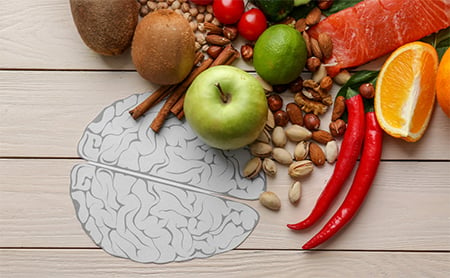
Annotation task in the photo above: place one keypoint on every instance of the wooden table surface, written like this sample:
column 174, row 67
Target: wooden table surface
column 52, row 86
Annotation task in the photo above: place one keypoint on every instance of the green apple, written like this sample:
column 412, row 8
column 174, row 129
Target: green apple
column 226, row 107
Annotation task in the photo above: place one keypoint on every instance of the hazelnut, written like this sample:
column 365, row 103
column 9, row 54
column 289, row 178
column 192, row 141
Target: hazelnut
column 313, row 64
column 281, row 118
column 296, row 85
column 311, row 121
column 326, row 83
column 338, row 127
column 275, row 102
column 247, row 52
column 280, row 88
column 367, row 90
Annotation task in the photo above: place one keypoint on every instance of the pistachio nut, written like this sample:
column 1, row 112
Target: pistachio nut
column 282, row 156
column 252, row 168
column 270, row 200
column 261, row 149
column 264, row 137
column 270, row 122
column 331, row 151
column 298, row 133
column 300, row 169
column 269, row 167
column 301, row 150
column 279, row 138
column 295, row 192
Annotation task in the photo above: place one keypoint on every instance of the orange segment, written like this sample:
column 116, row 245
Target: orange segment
column 443, row 83
column 405, row 91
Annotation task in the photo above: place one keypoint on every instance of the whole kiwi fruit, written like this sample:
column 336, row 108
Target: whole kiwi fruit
column 163, row 47
column 106, row 26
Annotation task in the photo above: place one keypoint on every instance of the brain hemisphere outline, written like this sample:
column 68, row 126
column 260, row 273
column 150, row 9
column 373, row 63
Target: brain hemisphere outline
column 158, row 198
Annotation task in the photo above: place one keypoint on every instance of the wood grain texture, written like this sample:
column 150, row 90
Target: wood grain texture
column 17, row 263
column 35, row 102
column 406, row 214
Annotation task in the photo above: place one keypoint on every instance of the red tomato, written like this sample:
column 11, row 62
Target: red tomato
column 228, row 11
column 201, row 2
column 253, row 22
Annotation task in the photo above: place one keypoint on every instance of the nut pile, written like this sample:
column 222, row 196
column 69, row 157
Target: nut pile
column 201, row 18
column 299, row 123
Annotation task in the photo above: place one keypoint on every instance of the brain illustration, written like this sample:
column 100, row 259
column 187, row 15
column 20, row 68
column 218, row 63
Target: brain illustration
column 160, row 197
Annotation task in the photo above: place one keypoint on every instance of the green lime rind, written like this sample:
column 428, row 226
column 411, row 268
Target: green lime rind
column 279, row 54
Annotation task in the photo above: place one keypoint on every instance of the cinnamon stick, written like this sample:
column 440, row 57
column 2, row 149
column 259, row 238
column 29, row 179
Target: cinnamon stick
column 151, row 101
column 178, row 106
column 232, row 58
column 226, row 53
column 177, row 93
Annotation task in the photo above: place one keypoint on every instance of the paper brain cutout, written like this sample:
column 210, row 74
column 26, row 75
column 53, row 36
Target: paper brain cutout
column 159, row 197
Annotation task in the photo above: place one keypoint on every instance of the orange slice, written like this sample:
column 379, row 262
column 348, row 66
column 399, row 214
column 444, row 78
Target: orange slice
column 443, row 83
column 406, row 91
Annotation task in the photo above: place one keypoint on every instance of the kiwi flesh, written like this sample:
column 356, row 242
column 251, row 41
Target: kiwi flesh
column 106, row 26
column 163, row 47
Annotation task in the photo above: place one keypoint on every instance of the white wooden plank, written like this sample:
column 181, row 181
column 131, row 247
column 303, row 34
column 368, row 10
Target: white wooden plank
column 48, row 39
column 43, row 113
column 16, row 263
column 407, row 209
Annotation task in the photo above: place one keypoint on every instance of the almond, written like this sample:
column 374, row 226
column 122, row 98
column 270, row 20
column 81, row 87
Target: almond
column 325, row 44
column 338, row 108
column 313, row 17
column 307, row 40
column 315, row 49
column 300, row 25
column 316, row 154
column 217, row 40
column 295, row 113
column 322, row 136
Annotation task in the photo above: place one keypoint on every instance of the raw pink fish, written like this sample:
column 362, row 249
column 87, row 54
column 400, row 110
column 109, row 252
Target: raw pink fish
column 373, row 28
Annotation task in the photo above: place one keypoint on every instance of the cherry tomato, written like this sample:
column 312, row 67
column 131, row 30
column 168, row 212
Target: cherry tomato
column 252, row 23
column 201, row 2
column 228, row 11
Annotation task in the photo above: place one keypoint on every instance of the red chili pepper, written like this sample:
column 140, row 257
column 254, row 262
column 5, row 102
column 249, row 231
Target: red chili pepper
column 362, row 182
column 350, row 150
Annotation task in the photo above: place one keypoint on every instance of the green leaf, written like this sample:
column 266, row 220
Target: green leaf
column 302, row 10
column 439, row 40
column 351, row 88
column 339, row 5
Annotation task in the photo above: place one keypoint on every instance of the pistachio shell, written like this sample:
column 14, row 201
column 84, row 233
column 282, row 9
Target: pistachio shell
column 295, row 192
column 261, row 149
column 298, row 133
column 270, row 200
column 282, row 156
column 264, row 137
column 269, row 167
column 300, row 169
column 252, row 168
column 279, row 138
column 301, row 150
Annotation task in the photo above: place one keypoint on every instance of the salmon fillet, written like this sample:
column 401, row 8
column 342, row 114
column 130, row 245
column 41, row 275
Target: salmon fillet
column 373, row 28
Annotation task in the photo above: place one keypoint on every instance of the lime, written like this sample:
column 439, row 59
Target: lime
column 279, row 54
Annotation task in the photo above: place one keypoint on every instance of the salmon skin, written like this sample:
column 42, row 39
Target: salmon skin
column 373, row 28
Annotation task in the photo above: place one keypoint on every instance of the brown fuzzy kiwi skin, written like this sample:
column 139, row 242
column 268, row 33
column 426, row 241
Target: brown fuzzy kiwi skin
column 163, row 47
column 106, row 26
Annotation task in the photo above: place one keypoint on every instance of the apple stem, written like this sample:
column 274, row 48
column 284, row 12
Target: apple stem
column 225, row 97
